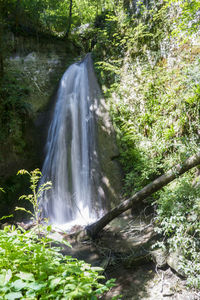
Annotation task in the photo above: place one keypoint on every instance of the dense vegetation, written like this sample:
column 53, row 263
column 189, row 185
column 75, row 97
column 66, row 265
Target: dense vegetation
column 42, row 272
column 147, row 58
column 32, row 266
column 150, row 75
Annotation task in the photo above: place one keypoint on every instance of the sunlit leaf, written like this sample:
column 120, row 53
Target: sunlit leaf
column 13, row 295
column 25, row 276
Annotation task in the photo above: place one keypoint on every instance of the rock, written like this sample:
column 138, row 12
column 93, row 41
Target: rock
column 26, row 226
column 173, row 260
column 159, row 257
column 168, row 294
column 4, row 225
column 31, row 57
column 107, row 174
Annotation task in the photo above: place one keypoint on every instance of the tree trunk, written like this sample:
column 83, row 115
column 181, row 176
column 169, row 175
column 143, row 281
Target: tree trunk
column 70, row 20
column 157, row 184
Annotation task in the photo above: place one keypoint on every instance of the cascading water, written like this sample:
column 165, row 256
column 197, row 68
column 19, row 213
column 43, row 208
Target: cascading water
column 71, row 151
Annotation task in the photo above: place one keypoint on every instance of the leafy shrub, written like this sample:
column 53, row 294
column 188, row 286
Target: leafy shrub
column 30, row 268
column 177, row 220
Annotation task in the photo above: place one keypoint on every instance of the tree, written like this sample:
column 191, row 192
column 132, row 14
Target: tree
column 69, row 19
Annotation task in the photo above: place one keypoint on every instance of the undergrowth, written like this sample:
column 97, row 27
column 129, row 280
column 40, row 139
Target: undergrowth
column 178, row 215
column 150, row 77
column 31, row 268
column 31, row 263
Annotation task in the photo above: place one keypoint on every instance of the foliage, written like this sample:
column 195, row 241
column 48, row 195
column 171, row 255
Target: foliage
column 35, row 197
column 15, row 117
column 154, row 102
column 126, row 35
column 2, row 190
column 30, row 17
column 152, row 84
column 189, row 16
column 31, row 268
column 177, row 220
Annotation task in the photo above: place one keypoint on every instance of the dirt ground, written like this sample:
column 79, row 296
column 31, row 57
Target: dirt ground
column 138, row 277
column 148, row 283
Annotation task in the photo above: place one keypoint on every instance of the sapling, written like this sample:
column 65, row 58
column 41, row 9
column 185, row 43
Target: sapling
column 35, row 197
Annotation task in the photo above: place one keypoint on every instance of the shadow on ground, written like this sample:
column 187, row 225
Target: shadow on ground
column 123, row 251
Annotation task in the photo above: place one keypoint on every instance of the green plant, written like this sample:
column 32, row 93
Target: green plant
column 35, row 197
column 30, row 268
column 152, row 86
column 188, row 17
column 178, row 212
column 2, row 190
column 4, row 217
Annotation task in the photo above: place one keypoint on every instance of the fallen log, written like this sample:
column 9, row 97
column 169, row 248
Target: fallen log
column 179, row 169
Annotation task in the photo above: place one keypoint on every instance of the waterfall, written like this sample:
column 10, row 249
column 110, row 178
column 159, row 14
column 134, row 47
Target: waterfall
column 71, row 155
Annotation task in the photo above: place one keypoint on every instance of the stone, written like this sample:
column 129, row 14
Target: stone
column 159, row 256
column 173, row 260
column 110, row 175
column 30, row 57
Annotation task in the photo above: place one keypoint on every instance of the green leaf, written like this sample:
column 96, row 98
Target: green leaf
column 31, row 293
column 24, row 209
column 2, row 190
column 66, row 243
column 22, row 172
column 70, row 287
column 13, row 295
column 5, row 217
column 49, row 228
column 19, row 284
column 55, row 282
column 8, row 276
column 36, row 286
column 22, row 197
column 97, row 269
column 5, row 277
column 25, row 276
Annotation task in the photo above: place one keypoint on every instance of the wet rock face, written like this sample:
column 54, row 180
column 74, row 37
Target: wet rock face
column 39, row 71
column 41, row 64
column 109, row 177
column 37, row 65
